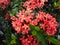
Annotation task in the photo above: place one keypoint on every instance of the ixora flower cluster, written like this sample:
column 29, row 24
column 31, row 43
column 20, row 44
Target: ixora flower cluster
column 58, row 6
column 4, row 3
column 45, row 21
column 32, row 4
column 21, row 21
column 29, row 40
column 48, row 24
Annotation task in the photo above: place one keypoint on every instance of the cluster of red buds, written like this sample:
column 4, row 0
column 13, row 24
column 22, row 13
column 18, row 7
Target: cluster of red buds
column 58, row 6
column 34, row 3
column 29, row 40
column 20, row 23
column 48, row 23
column 7, row 16
column 4, row 3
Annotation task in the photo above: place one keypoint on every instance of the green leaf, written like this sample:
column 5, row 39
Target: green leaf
column 20, row 7
column 13, row 42
column 54, row 41
column 13, row 37
column 33, row 32
column 32, row 27
column 15, row 5
column 56, row 4
column 41, row 38
column 14, row 2
column 37, row 28
column 13, row 11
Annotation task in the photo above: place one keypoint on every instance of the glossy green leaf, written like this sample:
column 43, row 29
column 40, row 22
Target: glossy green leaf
column 37, row 28
column 13, row 37
column 56, row 4
column 54, row 41
column 33, row 32
column 13, row 42
column 32, row 27
column 13, row 11
column 36, row 32
column 41, row 38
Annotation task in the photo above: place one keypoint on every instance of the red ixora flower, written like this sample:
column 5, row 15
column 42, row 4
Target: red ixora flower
column 4, row 3
column 58, row 6
column 32, row 4
column 29, row 40
column 7, row 16
column 20, row 23
column 47, row 23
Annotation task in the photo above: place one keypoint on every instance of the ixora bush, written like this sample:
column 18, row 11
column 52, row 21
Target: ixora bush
column 29, row 22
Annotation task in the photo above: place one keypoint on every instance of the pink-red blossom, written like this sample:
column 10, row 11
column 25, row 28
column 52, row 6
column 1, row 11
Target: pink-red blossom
column 32, row 4
column 47, row 23
column 7, row 16
column 58, row 6
column 21, row 22
column 4, row 3
column 29, row 40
